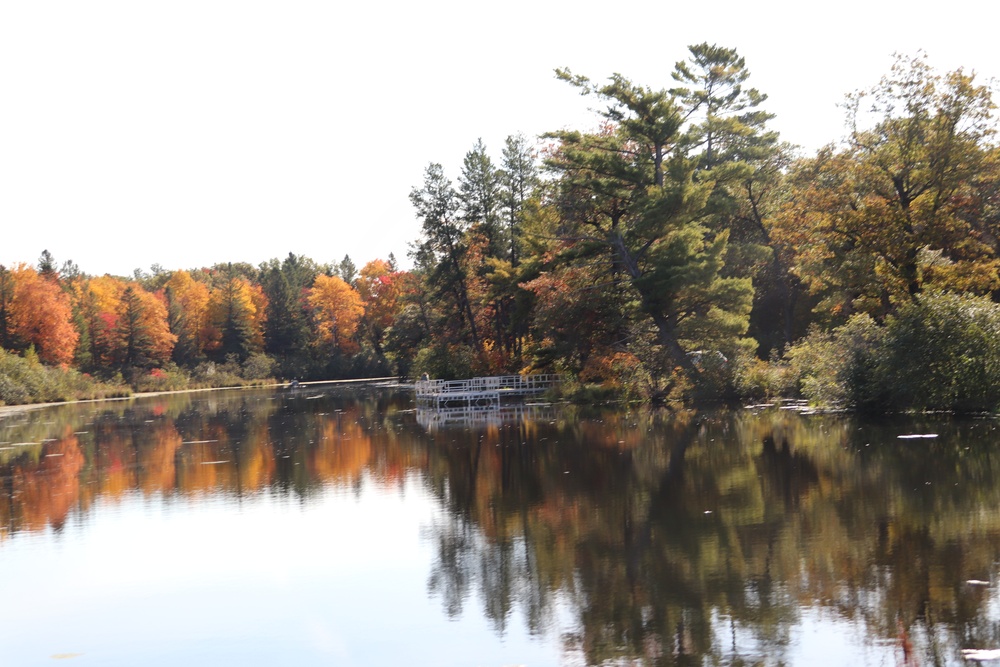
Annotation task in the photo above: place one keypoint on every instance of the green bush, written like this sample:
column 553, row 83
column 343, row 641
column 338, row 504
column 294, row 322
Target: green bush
column 211, row 374
column 756, row 379
column 26, row 380
column 168, row 378
column 443, row 361
column 836, row 368
column 941, row 352
column 258, row 367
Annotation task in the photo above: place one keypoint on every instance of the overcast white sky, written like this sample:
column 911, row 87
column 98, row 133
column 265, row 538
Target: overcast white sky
column 191, row 132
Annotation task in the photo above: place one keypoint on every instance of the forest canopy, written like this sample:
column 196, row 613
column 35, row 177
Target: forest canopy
column 676, row 249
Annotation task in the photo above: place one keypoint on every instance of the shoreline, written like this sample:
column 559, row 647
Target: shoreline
column 24, row 407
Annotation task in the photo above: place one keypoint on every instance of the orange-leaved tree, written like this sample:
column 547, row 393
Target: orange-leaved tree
column 380, row 288
column 337, row 311
column 38, row 313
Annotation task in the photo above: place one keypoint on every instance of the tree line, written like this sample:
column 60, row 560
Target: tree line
column 677, row 248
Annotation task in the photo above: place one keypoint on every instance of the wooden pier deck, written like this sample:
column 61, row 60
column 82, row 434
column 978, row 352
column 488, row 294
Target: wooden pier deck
column 483, row 392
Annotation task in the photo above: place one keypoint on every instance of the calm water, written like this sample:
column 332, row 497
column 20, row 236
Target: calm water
column 336, row 527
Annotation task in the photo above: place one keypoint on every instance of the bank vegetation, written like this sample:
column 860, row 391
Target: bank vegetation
column 677, row 250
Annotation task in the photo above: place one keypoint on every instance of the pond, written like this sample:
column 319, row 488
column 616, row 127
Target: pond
column 341, row 526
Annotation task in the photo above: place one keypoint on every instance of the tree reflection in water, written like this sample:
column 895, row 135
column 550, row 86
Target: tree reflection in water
column 666, row 538
column 681, row 538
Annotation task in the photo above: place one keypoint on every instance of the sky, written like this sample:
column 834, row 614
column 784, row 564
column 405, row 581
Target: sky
column 194, row 132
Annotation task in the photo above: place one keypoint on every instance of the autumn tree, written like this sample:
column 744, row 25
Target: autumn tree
column 38, row 314
column 337, row 311
column 576, row 317
column 872, row 223
column 380, row 289
column 236, row 313
column 187, row 307
column 97, row 302
column 142, row 333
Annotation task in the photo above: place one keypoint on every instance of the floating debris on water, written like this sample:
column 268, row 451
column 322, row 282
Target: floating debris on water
column 981, row 654
column 913, row 436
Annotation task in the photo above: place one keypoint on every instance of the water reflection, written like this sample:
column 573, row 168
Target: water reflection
column 667, row 538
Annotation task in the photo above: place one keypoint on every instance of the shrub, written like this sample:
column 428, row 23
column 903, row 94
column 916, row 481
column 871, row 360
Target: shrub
column 941, row 352
column 258, row 367
column 27, row 380
column 836, row 368
column 168, row 378
column 756, row 379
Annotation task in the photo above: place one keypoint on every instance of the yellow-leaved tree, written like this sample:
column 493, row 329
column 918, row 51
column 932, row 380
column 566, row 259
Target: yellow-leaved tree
column 187, row 304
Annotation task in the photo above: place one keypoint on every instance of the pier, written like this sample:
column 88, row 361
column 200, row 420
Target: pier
column 483, row 393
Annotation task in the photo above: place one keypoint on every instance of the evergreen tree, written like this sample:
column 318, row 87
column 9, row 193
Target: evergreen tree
column 47, row 265
column 286, row 332
column 479, row 192
column 727, row 131
column 630, row 194
column 347, row 270
column 444, row 246
column 235, row 315
column 187, row 351
column 518, row 179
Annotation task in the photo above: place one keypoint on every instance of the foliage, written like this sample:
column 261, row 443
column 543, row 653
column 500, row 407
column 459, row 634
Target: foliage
column 448, row 361
column 862, row 222
column 187, row 303
column 27, row 380
column 236, row 315
column 337, row 310
column 633, row 202
column 941, row 352
column 380, row 288
column 169, row 378
column 759, row 379
column 38, row 313
column 678, row 250
column 835, row 368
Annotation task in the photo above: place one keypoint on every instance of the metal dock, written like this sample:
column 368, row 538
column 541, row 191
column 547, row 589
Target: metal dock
column 484, row 392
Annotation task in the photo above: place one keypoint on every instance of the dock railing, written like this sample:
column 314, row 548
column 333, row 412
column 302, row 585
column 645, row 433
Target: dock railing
column 483, row 390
